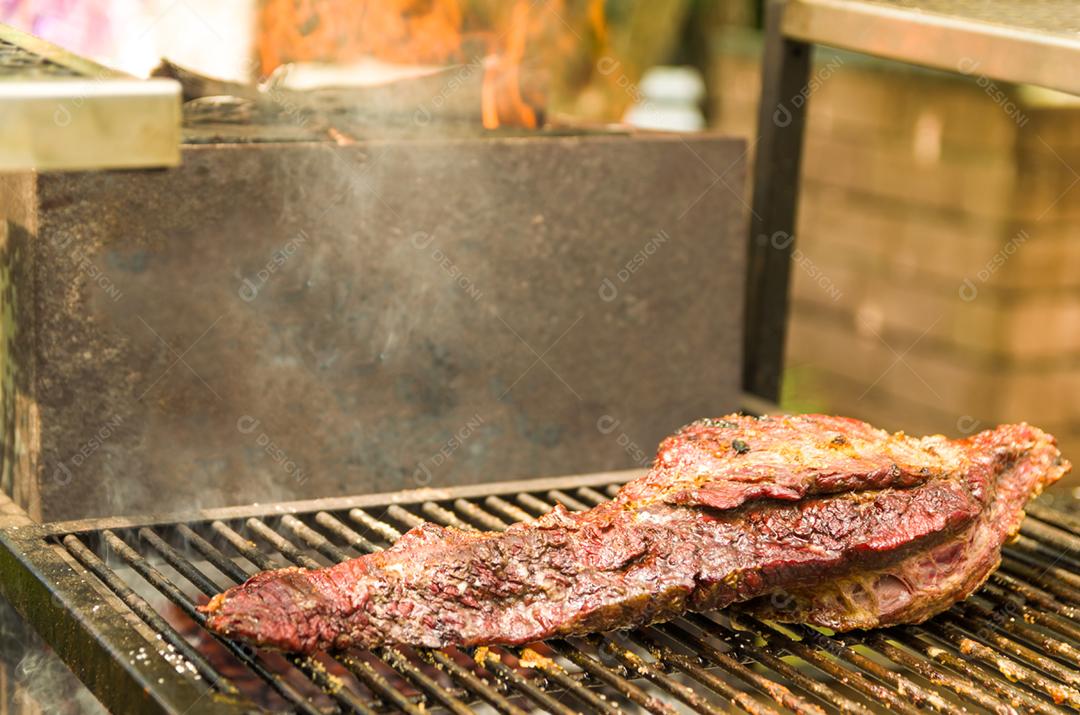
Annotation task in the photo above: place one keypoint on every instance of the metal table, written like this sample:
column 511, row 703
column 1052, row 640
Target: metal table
column 1030, row 42
column 60, row 111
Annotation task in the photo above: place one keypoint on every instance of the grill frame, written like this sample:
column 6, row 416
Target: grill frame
column 44, row 576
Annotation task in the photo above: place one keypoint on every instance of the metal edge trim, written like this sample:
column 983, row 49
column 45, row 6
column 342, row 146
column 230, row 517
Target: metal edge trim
column 95, row 124
column 412, row 496
column 1005, row 52
column 88, row 88
column 94, row 644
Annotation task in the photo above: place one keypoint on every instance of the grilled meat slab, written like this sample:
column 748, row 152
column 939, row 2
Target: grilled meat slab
column 733, row 509
column 929, row 580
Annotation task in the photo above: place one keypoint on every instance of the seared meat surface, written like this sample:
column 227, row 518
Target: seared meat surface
column 836, row 522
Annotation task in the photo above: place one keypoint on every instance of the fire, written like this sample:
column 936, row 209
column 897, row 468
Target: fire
column 501, row 101
column 508, row 36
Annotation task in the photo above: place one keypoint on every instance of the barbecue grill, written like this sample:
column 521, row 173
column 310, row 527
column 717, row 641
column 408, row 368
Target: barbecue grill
column 116, row 597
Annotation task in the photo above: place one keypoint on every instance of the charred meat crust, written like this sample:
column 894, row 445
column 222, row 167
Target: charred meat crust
column 732, row 510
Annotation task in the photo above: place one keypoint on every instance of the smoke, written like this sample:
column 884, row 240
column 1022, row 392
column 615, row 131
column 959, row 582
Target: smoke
column 37, row 680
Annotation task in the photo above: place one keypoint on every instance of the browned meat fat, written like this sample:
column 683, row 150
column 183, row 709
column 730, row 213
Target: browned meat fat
column 855, row 527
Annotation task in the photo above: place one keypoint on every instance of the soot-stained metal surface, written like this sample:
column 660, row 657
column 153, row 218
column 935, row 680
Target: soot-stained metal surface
column 284, row 321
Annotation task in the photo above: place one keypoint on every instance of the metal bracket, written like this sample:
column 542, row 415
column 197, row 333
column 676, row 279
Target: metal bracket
column 60, row 111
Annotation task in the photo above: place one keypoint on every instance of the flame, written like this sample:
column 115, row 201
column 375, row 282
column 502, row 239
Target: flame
column 406, row 31
column 431, row 32
column 501, row 100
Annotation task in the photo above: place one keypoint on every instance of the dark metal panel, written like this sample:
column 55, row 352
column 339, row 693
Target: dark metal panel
column 781, row 119
column 275, row 322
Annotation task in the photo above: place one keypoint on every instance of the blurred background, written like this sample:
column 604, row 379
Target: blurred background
column 933, row 284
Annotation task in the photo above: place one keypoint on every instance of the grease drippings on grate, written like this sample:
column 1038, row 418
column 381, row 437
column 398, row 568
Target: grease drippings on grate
column 1014, row 646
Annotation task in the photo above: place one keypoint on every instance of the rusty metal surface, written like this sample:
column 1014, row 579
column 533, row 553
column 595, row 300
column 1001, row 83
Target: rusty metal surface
column 285, row 321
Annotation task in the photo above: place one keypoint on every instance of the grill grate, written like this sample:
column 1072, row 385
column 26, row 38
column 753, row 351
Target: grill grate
column 130, row 589
column 20, row 63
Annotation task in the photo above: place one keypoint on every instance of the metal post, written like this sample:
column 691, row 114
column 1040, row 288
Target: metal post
column 785, row 72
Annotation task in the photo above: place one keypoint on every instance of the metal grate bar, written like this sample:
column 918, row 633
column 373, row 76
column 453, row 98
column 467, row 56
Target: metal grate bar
column 556, row 674
column 346, row 534
column 842, row 648
column 479, row 517
column 489, row 657
column 1064, row 520
column 782, row 695
column 378, row 684
column 399, row 662
column 1013, row 646
column 512, row 512
column 1063, row 541
column 668, row 657
column 934, row 675
column 1020, row 628
column 828, row 663
column 208, row 587
column 491, row 660
column 310, row 667
column 1016, row 649
column 1053, row 611
column 145, row 611
column 936, row 650
column 498, row 524
column 1009, row 666
column 289, row 551
column 1057, row 586
column 743, row 644
column 1036, row 555
column 384, row 530
column 170, row 591
column 633, row 662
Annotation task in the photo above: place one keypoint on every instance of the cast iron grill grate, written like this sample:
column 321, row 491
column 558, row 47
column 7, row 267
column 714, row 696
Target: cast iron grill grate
column 122, row 594
column 20, row 63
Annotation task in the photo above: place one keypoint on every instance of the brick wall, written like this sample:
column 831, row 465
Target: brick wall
column 937, row 278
